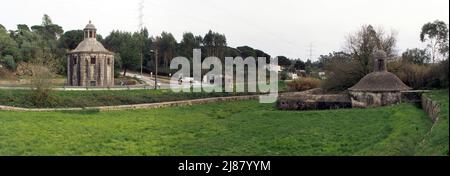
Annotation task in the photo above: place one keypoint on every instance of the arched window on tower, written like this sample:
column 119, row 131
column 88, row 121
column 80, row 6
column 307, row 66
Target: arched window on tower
column 93, row 60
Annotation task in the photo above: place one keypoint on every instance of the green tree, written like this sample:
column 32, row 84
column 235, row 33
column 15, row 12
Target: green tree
column 47, row 29
column 49, row 32
column 71, row 39
column 284, row 61
column 299, row 65
column 437, row 34
column 7, row 44
column 246, row 51
column 127, row 46
column 29, row 43
column 117, row 65
column 215, row 44
column 166, row 45
column 129, row 52
column 144, row 44
column 189, row 43
column 8, row 49
column 9, row 62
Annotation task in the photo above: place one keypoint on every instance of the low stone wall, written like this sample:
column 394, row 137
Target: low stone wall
column 314, row 102
column 432, row 108
column 413, row 96
column 141, row 106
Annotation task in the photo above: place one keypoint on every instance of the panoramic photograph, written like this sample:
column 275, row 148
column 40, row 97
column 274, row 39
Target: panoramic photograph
column 224, row 78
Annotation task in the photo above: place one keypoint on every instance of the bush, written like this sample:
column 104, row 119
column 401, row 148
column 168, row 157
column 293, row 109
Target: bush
column 284, row 76
column 9, row 62
column 443, row 70
column 303, row 84
column 429, row 76
column 342, row 74
column 41, row 85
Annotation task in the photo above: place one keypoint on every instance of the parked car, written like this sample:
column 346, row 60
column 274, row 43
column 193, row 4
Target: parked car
column 187, row 80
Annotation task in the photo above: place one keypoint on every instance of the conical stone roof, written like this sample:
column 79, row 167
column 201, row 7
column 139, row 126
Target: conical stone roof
column 90, row 45
column 380, row 82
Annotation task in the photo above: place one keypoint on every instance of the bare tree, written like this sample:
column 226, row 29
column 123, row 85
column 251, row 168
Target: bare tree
column 347, row 68
column 42, row 74
column 362, row 44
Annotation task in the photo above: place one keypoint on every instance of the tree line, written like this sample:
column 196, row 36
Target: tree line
column 48, row 42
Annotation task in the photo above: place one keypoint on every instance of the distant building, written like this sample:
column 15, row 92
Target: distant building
column 322, row 75
column 275, row 68
column 294, row 76
column 90, row 64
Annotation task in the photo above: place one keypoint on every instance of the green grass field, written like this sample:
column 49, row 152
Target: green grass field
column 233, row 128
column 68, row 99
column 436, row 142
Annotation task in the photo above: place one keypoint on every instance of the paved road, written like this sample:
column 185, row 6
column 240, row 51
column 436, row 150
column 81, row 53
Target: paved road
column 162, row 85
column 149, row 84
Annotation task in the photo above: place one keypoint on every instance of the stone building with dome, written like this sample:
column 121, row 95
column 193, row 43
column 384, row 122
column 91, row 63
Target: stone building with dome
column 379, row 88
column 90, row 64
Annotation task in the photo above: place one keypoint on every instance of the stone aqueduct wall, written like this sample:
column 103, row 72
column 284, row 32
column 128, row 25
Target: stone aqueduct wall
column 314, row 102
column 432, row 108
column 287, row 101
column 141, row 106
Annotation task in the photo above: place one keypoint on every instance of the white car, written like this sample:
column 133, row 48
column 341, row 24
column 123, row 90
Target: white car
column 187, row 80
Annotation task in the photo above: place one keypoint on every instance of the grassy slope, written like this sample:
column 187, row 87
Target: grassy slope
column 234, row 128
column 62, row 99
column 436, row 142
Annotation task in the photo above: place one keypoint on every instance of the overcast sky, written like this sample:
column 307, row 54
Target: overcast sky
column 278, row 27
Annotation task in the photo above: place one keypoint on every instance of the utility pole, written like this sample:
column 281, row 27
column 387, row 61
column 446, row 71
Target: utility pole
column 156, row 69
column 142, row 61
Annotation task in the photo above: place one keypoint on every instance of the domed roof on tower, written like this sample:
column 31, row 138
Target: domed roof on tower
column 90, row 26
column 90, row 43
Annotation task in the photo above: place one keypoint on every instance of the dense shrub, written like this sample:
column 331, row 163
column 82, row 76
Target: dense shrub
column 443, row 72
column 303, row 84
column 342, row 73
column 9, row 62
column 284, row 76
column 417, row 76
column 41, row 94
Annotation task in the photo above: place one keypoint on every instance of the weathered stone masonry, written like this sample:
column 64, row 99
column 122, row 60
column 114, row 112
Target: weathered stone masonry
column 90, row 64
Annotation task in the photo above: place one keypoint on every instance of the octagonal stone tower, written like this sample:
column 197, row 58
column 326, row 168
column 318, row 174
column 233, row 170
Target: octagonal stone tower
column 379, row 88
column 90, row 64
